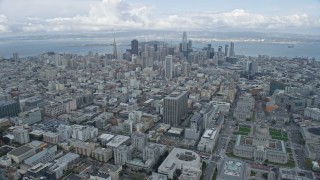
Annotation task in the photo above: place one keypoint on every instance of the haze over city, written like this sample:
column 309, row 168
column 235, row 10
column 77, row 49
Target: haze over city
column 290, row 16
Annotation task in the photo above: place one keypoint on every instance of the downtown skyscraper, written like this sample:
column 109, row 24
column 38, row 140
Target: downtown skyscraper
column 134, row 47
column 184, row 42
column 232, row 53
column 115, row 52
column 168, row 67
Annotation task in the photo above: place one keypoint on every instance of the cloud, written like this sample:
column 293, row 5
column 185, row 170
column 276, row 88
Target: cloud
column 107, row 15
column 3, row 24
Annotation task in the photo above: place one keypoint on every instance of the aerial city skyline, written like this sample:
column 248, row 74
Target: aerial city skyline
column 159, row 90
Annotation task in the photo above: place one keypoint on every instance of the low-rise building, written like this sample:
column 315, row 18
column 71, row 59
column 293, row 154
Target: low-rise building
column 84, row 148
column 260, row 147
column 244, row 108
column 231, row 169
column 55, row 110
column 44, row 156
column 208, row 140
column 313, row 113
column 21, row 153
column 5, row 161
column 312, row 150
column 295, row 173
column 38, row 170
column 187, row 161
column 51, row 137
column 62, row 164
column 113, row 170
column 84, row 133
column 102, row 154
column 117, row 141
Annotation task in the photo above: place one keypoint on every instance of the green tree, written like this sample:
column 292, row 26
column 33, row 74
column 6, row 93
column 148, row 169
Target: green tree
column 309, row 163
column 273, row 122
column 204, row 165
column 265, row 175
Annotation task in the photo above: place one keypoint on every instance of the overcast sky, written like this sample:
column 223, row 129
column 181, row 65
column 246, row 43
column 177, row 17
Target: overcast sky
column 294, row 16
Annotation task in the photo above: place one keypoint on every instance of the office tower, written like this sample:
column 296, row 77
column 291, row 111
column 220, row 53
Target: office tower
column 134, row 47
column 232, row 53
column 139, row 140
column 226, row 48
column 168, row 67
column 189, row 44
column 21, row 136
column 155, row 47
column 251, row 67
column 115, row 52
column 9, row 108
column 186, row 68
column 175, row 107
column 15, row 56
column 220, row 56
column 209, row 47
column 184, row 42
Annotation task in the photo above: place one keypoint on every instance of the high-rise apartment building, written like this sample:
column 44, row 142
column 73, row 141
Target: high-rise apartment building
column 175, row 107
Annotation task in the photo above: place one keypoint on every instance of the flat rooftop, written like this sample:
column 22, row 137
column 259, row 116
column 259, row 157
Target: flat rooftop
column 21, row 150
column 108, row 137
column 180, row 157
column 176, row 94
column 118, row 140
column 232, row 169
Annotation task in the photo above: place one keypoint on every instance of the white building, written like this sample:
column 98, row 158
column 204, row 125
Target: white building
column 122, row 154
column 5, row 160
column 187, row 161
column 139, row 141
column 84, row 148
column 65, row 132
column 244, row 108
column 51, row 137
column 102, row 154
column 84, row 133
column 313, row 113
column 208, row 140
column 105, row 138
column 261, row 147
column 21, row 135
column 21, row 153
column 117, row 141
